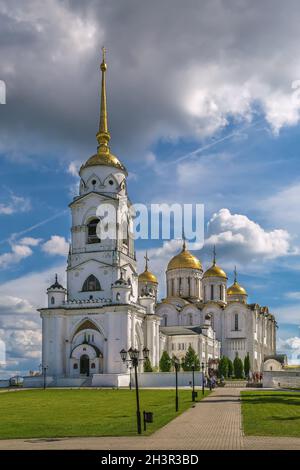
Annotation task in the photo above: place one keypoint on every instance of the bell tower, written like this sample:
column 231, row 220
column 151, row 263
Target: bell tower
column 102, row 246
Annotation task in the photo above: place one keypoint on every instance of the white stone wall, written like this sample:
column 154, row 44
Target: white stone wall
column 281, row 379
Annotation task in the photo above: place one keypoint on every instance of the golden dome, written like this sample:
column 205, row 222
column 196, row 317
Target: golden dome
column 184, row 260
column 236, row 289
column 215, row 271
column 106, row 159
column 147, row 276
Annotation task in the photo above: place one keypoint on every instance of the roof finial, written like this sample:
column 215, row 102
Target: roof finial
column 183, row 240
column 235, row 275
column 146, row 259
column 103, row 135
column 214, row 255
column 56, row 278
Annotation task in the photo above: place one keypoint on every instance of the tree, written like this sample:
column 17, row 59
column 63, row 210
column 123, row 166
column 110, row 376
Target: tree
column 165, row 362
column 148, row 365
column 191, row 359
column 238, row 367
column 230, row 368
column 247, row 365
column 223, row 367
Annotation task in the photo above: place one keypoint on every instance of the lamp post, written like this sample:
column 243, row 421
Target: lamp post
column 176, row 365
column 193, row 378
column 130, row 378
column 202, row 367
column 44, row 368
column 134, row 362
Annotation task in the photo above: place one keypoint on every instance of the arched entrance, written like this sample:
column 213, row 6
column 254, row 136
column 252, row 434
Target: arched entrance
column 84, row 364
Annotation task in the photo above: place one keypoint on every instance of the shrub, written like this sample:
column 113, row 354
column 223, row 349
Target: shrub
column 147, row 365
column 238, row 368
column 223, row 367
column 165, row 362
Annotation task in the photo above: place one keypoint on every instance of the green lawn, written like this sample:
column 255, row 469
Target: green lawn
column 271, row 413
column 61, row 413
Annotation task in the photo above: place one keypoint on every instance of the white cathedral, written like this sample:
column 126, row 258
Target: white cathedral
column 107, row 306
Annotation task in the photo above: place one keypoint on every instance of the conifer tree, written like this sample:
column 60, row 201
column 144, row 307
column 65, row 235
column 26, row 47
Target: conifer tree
column 191, row 359
column 223, row 367
column 230, row 368
column 165, row 362
column 247, row 365
column 238, row 367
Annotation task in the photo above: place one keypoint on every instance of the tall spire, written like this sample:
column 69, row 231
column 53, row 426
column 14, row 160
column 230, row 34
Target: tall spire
column 146, row 261
column 103, row 135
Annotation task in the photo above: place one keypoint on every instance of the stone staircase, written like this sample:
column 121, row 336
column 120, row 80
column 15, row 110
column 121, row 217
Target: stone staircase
column 236, row 383
column 87, row 382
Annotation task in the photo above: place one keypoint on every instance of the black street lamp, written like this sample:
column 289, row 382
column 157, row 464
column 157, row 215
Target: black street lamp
column 44, row 372
column 130, row 378
column 134, row 362
column 193, row 378
column 176, row 365
column 202, row 367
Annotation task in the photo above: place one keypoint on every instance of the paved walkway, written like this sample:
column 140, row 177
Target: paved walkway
column 213, row 423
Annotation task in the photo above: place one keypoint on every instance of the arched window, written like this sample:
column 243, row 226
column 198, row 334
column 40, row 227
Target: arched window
column 165, row 320
column 52, row 301
column 236, row 321
column 212, row 292
column 92, row 231
column 118, row 296
column 221, row 292
column 190, row 319
column 93, row 365
column 91, row 284
column 75, row 366
column 125, row 233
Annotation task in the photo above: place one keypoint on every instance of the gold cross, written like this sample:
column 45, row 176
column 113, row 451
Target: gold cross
column 147, row 259
column 103, row 53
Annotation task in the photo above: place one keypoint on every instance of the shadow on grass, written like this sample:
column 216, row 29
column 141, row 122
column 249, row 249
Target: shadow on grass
column 264, row 399
column 278, row 418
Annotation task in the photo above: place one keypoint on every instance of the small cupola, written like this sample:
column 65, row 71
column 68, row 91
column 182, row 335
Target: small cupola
column 56, row 294
column 147, row 281
column 214, row 282
column 236, row 293
column 121, row 291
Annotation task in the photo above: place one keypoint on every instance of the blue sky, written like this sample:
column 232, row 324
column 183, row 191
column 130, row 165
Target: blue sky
column 205, row 111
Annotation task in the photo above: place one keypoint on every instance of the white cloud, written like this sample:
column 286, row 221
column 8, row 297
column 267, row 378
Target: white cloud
column 291, row 347
column 30, row 241
column 14, row 205
column 74, row 167
column 17, row 254
column 293, row 295
column 219, row 74
column 20, row 324
column 11, row 305
column 287, row 314
column 246, row 240
column 283, row 207
column 32, row 287
column 56, row 246
column 290, row 343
